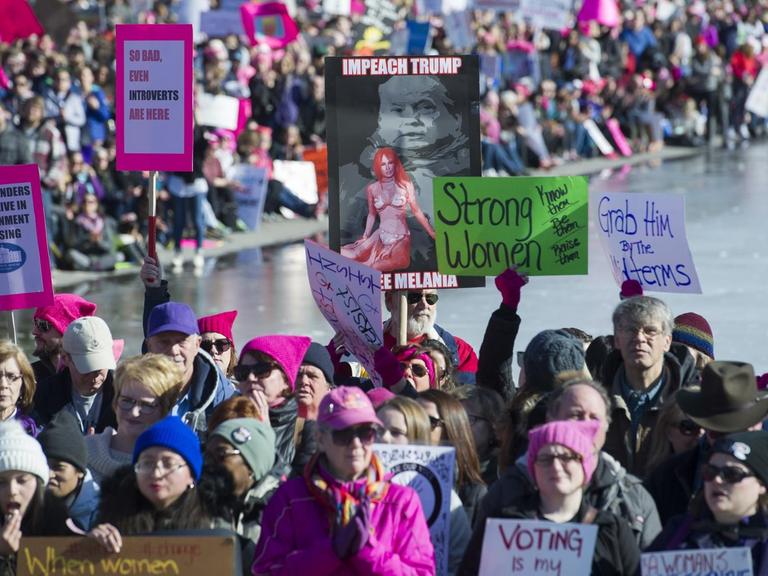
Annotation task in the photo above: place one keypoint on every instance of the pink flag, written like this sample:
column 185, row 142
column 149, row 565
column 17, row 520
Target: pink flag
column 604, row 12
column 269, row 24
column 22, row 24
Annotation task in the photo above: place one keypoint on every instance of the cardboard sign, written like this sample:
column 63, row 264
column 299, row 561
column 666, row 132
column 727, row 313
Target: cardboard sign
column 298, row 177
column 757, row 101
column 217, row 111
column 220, row 23
column 154, row 97
column 537, row 547
column 486, row 225
column 25, row 267
column 429, row 471
column 349, row 296
column 268, row 23
column 250, row 201
column 319, row 158
column 140, row 556
column 437, row 135
column 644, row 238
column 713, row 562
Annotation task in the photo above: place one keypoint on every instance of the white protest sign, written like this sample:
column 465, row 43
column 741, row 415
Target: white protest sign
column 757, row 101
column 250, row 200
column 25, row 272
column 597, row 137
column 711, row 562
column 219, row 23
column 531, row 547
column 551, row 14
column 337, row 7
column 349, row 296
column 217, row 111
column 458, row 30
column 429, row 471
column 644, row 238
column 298, row 177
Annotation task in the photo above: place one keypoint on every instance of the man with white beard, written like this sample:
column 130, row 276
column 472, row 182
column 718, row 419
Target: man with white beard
column 422, row 314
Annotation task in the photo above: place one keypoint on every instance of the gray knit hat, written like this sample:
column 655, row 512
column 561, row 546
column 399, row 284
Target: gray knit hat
column 19, row 451
column 549, row 353
column 254, row 439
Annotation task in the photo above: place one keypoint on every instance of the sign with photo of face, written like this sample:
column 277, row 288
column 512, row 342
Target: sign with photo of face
column 394, row 124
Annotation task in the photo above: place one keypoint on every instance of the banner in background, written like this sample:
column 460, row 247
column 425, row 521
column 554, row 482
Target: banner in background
column 268, row 23
column 548, row 14
column 220, row 23
column 298, row 177
column 486, row 225
column 25, row 267
column 643, row 235
column 250, row 198
column 154, row 88
column 707, row 562
column 757, row 101
column 217, row 111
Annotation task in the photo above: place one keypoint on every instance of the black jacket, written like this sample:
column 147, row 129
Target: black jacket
column 496, row 360
column 55, row 393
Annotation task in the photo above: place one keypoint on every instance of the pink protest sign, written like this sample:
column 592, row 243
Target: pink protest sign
column 269, row 24
column 154, row 97
column 25, row 269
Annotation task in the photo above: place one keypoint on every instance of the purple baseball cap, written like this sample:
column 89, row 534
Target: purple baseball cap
column 344, row 407
column 172, row 317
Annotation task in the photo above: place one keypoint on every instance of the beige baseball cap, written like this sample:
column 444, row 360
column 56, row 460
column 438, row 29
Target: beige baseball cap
column 88, row 341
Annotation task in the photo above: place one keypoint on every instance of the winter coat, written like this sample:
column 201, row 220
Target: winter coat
column 497, row 359
column 471, row 496
column 283, row 421
column 612, row 489
column 96, row 118
column 55, row 393
column 14, row 148
column 86, row 504
column 306, row 448
column 679, row 371
column 296, row 537
column 677, row 480
column 102, row 460
column 616, row 551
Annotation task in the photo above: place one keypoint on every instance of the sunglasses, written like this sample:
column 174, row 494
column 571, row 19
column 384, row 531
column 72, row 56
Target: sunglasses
column 415, row 298
column 549, row 459
column 435, row 423
column 416, row 369
column 43, row 325
column 259, row 370
column 366, row 434
column 688, row 427
column 221, row 345
column 728, row 474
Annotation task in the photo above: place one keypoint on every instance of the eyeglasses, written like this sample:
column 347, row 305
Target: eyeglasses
column 549, row 459
column 649, row 332
column 416, row 369
column 688, row 427
column 221, row 345
column 366, row 434
column 127, row 403
column 165, row 466
column 259, row 370
column 43, row 325
column 729, row 474
column 415, row 298
column 10, row 377
column 435, row 423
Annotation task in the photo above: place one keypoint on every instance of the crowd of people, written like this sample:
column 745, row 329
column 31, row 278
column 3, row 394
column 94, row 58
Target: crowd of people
column 640, row 432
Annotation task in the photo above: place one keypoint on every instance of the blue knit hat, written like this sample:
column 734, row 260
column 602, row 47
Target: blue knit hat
column 173, row 434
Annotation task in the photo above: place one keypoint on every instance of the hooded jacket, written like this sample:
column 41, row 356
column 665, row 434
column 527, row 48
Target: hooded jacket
column 296, row 537
column 86, row 504
column 283, row 421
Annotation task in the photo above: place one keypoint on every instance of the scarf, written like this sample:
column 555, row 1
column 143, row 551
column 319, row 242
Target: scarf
column 342, row 499
column 92, row 224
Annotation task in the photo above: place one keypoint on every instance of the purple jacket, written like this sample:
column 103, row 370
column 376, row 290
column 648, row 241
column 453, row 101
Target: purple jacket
column 296, row 537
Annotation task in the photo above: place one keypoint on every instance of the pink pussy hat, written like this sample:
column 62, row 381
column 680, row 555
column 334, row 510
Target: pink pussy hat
column 287, row 351
column 577, row 435
column 346, row 406
column 65, row 309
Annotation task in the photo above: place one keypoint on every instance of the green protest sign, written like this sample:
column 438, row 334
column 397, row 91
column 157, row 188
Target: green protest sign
column 485, row 225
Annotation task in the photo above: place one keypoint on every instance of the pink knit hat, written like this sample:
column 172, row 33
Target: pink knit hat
column 412, row 353
column 287, row 351
column 65, row 309
column 578, row 435
column 221, row 323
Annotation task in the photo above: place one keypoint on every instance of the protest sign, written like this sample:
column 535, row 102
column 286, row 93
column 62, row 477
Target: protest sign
column 602, row 143
column 337, row 7
column 644, row 237
column 25, row 268
column 548, row 14
column 419, row 38
column 139, row 555
column 420, row 113
column 757, row 101
column 512, row 6
column 220, row 23
column 486, row 225
column 537, row 547
column 250, row 199
column 217, row 111
column 707, row 562
column 458, row 28
column 379, row 14
column 154, row 87
column 429, row 471
column 298, row 177
column 319, row 158
column 349, row 296
column 268, row 23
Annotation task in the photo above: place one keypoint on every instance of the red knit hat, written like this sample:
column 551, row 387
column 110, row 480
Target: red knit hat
column 287, row 351
column 65, row 309
column 221, row 323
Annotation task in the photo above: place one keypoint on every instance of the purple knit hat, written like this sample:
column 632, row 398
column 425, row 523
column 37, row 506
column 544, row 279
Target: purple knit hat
column 578, row 435
column 287, row 351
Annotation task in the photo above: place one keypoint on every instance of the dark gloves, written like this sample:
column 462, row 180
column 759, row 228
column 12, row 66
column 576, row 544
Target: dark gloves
column 387, row 366
column 349, row 540
column 509, row 283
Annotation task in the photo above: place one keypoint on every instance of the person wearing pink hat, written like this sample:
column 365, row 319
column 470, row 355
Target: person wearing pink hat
column 50, row 323
column 344, row 516
column 216, row 333
column 267, row 374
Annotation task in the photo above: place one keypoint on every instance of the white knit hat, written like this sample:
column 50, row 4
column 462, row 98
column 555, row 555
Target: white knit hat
column 19, row 451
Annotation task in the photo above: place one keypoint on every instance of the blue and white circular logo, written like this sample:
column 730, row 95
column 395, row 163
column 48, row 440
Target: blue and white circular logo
column 12, row 257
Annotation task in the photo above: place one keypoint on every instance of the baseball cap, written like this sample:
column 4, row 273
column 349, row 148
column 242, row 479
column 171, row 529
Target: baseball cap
column 346, row 406
column 172, row 317
column 89, row 342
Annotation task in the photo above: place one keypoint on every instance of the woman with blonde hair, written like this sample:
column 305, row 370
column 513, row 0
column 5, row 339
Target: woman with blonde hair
column 146, row 388
column 17, row 387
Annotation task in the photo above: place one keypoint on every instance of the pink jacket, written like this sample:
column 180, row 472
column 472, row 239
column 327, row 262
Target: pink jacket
column 296, row 540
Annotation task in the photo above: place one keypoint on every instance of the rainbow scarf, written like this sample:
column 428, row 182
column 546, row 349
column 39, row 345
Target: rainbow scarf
column 342, row 499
